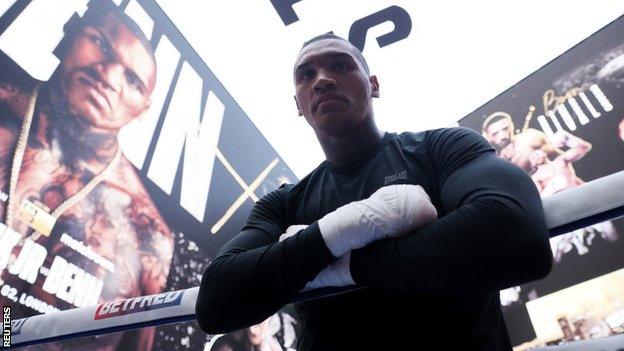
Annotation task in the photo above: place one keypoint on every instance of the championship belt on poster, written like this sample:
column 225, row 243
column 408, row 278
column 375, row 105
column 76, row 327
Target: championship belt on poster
column 36, row 217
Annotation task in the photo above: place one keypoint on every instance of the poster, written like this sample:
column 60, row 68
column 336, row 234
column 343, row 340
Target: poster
column 124, row 165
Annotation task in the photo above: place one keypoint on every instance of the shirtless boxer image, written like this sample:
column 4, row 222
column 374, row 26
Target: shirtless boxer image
column 498, row 130
column 71, row 193
column 553, row 176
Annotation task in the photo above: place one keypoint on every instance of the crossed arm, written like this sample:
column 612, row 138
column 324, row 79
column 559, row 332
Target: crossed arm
column 492, row 236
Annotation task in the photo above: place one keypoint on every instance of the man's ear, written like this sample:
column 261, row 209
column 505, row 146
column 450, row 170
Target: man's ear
column 147, row 106
column 374, row 86
column 298, row 108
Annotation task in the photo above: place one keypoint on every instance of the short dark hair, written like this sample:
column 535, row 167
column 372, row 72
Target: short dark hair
column 95, row 13
column 358, row 53
column 495, row 117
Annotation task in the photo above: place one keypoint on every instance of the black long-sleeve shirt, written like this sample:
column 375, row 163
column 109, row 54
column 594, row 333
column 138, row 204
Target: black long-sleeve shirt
column 443, row 279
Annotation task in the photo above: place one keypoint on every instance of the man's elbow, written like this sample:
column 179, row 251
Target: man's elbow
column 210, row 311
column 542, row 264
column 534, row 258
column 205, row 311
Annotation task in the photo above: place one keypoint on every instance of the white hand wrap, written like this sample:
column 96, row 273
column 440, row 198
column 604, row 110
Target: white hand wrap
column 391, row 211
column 292, row 230
column 336, row 274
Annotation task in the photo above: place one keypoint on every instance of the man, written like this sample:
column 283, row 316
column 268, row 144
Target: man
column 551, row 177
column 431, row 224
column 498, row 130
column 70, row 164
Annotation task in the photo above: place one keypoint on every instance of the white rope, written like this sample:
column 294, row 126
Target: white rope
column 139, row 312
column 593, row 202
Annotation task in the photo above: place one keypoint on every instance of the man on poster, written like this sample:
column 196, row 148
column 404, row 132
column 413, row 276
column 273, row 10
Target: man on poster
column 498, row 130
column 71, row 193
column 553, row 176
column 431, row 224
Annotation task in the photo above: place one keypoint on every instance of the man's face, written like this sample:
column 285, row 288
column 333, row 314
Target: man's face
column 498, row 133
column 333, row 91
column 107, row 75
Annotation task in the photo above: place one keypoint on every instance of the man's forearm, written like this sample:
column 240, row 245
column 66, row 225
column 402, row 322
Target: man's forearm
column 456, row 255
column 244, row 287
column 494, row 238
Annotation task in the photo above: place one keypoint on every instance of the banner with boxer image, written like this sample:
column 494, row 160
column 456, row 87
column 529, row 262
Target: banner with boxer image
column 564, row 125
column 125, row 164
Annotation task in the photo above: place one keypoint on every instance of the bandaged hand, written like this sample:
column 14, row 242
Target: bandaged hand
column 391, row 211
column 292, row 230
column 336, row 274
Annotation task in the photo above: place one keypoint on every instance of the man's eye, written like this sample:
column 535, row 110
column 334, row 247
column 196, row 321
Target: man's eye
column 305, row 75
column 340, row 66
column 97, row 40
column 134, row 82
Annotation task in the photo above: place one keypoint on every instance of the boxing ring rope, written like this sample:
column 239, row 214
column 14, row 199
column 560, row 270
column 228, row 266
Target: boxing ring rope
column 596, row 201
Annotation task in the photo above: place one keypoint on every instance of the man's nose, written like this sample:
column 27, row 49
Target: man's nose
column 111, row 74
column 324, row 82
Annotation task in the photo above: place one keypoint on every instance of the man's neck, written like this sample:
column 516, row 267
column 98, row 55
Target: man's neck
column 81, row 144
column 342, row 150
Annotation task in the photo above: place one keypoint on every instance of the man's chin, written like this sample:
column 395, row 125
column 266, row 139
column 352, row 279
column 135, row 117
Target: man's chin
column 337, row 129
column 503, row 144
column 94, row 116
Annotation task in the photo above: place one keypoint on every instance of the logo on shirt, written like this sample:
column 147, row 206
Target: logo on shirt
column 394, row 177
